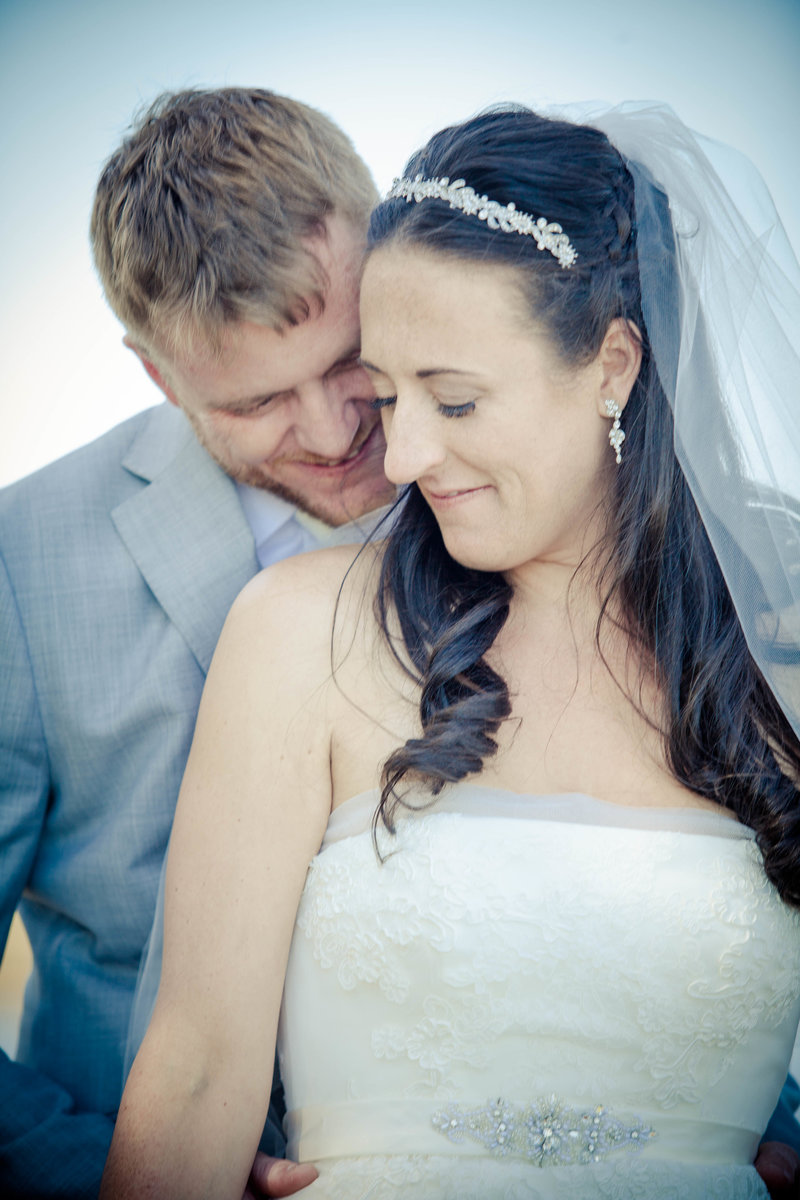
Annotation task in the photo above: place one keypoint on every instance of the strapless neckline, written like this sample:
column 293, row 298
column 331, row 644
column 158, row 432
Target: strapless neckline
column 354, row 815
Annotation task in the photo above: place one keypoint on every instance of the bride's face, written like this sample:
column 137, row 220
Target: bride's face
column 508, row 446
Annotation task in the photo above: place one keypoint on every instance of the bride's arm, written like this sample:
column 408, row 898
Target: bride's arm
column 252, row 811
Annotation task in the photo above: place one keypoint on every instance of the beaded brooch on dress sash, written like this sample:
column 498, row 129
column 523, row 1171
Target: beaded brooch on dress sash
column 547, row 1132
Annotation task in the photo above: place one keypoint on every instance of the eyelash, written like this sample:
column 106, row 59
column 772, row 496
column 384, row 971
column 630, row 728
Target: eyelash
column 446, row 410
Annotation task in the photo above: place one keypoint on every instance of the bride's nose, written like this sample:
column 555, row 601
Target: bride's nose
column 413, row 442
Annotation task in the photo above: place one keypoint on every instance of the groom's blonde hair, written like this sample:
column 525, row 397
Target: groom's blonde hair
column 203, row 215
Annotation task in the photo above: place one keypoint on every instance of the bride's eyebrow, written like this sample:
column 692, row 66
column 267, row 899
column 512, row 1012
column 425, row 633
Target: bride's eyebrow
column 425, row 373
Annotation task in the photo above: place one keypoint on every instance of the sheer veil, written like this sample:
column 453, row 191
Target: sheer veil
column 721, row 301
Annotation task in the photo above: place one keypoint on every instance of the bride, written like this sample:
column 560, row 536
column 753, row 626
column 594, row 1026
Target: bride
column 510, row 803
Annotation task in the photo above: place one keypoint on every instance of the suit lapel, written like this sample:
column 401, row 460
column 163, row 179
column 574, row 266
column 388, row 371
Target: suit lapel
column 185, row 530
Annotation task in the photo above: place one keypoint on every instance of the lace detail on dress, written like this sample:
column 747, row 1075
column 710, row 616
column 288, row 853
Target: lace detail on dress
column 506, row 920
column 426, row 1177
column 734, row 991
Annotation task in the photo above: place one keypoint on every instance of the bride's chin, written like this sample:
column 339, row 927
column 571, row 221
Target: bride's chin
column 474, row 557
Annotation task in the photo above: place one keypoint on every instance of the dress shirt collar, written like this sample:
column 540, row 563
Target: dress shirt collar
column 280, row 529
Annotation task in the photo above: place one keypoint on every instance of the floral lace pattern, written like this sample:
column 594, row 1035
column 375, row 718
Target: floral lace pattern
column 426, row 1177
column 366, row 924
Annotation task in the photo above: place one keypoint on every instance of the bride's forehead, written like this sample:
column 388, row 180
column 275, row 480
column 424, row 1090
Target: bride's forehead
column 403, row 277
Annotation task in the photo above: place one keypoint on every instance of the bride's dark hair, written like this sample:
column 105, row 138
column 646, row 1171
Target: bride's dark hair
column 726, row 737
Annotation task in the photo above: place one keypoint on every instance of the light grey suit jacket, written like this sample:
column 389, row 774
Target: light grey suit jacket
column 118, row 565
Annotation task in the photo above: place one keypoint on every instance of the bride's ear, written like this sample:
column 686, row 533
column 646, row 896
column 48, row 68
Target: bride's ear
column 619, row 360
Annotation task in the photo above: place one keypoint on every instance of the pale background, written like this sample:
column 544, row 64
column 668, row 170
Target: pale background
column 72, row 72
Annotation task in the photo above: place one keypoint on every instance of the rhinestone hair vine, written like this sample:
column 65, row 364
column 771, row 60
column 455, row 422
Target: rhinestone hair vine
column 547, row 235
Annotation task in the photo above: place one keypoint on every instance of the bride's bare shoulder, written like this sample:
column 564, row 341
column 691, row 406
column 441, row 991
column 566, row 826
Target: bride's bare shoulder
column 302, row 595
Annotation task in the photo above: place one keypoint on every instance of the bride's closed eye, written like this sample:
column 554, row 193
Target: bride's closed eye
column 457, row 410
column 446, row 410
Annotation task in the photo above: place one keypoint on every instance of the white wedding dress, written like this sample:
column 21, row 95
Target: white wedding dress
column 550, row 997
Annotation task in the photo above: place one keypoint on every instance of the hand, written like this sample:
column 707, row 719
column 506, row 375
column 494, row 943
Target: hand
column 779, row 1167
column 274, row 1177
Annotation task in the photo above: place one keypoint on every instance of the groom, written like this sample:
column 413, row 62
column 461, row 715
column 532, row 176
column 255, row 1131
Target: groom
column 228, row 231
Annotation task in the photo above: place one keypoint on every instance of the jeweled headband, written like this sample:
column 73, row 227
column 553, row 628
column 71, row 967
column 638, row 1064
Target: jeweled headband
column 547, row 235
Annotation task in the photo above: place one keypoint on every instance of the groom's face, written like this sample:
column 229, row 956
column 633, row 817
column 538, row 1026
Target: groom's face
column 290, row 411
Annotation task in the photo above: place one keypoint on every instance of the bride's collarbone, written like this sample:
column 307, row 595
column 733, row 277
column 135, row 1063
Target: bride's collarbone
column 578, row 728
column 542, row 749
column 578, row 723
column 594, row 746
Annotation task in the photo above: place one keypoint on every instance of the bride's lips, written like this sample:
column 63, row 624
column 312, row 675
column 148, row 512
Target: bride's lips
column 452, row 497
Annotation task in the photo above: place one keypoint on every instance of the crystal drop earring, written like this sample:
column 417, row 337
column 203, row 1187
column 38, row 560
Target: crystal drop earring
column 616, row 435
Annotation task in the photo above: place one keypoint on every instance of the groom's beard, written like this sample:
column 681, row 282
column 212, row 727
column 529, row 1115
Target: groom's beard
column 333, row 492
